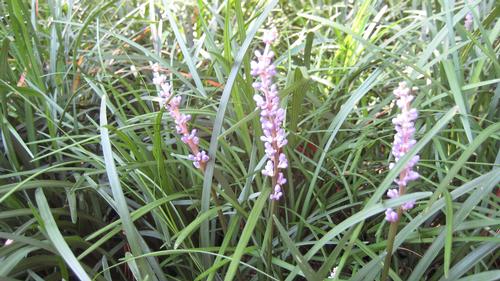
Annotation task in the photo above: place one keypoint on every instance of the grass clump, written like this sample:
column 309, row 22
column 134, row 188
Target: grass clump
column 97, row 184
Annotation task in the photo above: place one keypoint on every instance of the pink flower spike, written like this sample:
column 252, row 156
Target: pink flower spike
column 272, row 115
column 181, row 120
column 405, row 128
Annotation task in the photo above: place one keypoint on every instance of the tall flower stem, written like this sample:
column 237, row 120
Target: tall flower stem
column 190, row 138
column 393, row 230
column 269, row 247
column 274, row 138
column 403, row 142
column 391, row 236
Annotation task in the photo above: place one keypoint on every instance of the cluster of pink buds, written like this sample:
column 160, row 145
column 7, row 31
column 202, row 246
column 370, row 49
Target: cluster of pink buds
column 199, row 157
column 403, row 142
column 271, row 115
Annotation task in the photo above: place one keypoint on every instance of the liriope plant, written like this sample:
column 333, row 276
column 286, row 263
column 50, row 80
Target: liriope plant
column 64, row 65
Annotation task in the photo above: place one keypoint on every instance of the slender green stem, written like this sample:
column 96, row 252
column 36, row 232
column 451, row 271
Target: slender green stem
column 393, row 230
column 270, row 226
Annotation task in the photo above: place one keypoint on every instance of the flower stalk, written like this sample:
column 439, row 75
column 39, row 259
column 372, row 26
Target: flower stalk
column 271, row 115
column 190, row 138
column 403, row 141
column 271, row 118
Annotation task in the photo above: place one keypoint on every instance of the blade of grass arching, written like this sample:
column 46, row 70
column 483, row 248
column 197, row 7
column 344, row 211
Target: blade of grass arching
column 492, row 275
column 461, row 161
column 239, row 124
column 307, row 49
column 238, row 92
column 8, row 144
column 234, row 225
column 23, row 239
column 402, row 162
column 369, row 205
column 185, row 52
column 332, row 258
column 210, row 43
column 492, row 110
column 449, row 232
column 219, row 119
column 240, row 20
column 158, row 154
column 27, row 181
column 18, row 16
column 121, row 204
column 348, row 248
column 183, row 234
column 334, row 127
column 309, row 273
column 470, row 260
column 368, row 271
column 6, row 73
column 300, row 74
column 246, row 233
column 10, row 261
column 451, row 35
column 20, row 141
column 424, row 216
column 459, row 98
column 486, row 186
column 55, row 236
column 354, row 219
column 115, row 226
column 456, row 193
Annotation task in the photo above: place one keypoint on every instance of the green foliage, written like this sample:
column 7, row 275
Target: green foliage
column 95, row 183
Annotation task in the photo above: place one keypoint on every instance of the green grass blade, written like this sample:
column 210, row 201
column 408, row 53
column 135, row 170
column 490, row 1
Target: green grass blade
column 121, row 204
column 56, row 237
column 246, row 233
column 309, row 273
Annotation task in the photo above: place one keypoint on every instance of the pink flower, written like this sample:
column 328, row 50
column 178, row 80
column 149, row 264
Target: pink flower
column 393, row 193
column 391, row 216
column 276, row 195
column 271, row 115
column 404, row 124
column 403, row 139
column 181, row 120
column 408, row 205
column 270, row 35
column 199, row 159
column 8, row 242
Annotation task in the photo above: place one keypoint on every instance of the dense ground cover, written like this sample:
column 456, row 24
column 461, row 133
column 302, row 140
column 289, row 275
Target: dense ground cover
column 96, row 183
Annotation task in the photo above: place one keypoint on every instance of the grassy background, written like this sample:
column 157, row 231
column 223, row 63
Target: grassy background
column 94, row 184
